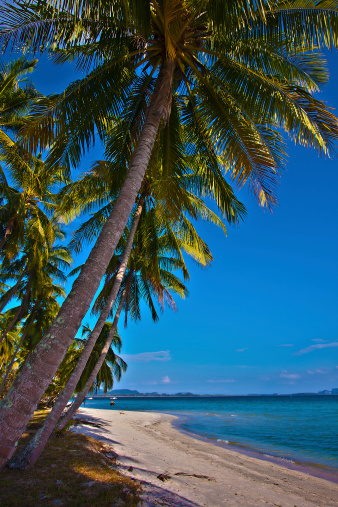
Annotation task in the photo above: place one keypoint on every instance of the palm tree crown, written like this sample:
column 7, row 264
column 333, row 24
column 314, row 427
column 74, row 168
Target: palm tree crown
column 241, row 70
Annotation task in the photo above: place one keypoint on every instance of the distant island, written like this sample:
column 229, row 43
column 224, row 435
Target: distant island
column 131, row 393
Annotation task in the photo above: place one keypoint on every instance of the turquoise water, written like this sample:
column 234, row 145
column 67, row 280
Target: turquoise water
column 294, row 429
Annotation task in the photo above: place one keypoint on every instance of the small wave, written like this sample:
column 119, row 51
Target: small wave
column 224, row 441
column 279, row 458
column 233, row 415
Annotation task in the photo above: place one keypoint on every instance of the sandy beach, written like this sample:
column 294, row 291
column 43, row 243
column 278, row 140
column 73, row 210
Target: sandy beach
column 178, row 470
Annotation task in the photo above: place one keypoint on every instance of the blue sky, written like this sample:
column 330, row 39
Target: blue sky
column 263, row 318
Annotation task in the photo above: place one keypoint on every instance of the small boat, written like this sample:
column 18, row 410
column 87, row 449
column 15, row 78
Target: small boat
column 89, row 398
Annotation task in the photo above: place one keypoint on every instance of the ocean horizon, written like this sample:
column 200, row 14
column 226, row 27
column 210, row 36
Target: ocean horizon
column 292, row 430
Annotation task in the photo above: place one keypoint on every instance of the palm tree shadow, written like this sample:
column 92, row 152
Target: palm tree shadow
column 154, row 495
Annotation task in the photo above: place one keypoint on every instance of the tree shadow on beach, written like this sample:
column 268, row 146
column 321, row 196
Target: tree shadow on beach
column 154, row 496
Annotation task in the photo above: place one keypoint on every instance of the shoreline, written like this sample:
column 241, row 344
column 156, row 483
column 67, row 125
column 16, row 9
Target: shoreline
column 178, row 469
column 310, row 468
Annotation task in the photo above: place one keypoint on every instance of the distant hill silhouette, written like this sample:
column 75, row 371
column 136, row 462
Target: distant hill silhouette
column 129, row 392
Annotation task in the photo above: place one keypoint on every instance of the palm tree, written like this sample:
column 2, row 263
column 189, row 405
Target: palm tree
column 90, row 189
column 97, row 366
column 242, row 69
column 40, row 313
column 39, row 305
column 32, row 452
column 15, row 102
column 41, row 263
column 28, row 203
column 149, row 273
column 8, row 349
column 113, row 366
column 8, row 345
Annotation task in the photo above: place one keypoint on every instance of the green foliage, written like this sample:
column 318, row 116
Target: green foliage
column 243, row 71
column 111, row 370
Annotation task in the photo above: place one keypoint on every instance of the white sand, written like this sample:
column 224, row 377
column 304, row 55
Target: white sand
column 150, row 444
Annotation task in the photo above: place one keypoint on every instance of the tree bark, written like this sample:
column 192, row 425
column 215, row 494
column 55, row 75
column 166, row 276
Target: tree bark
column 81, row 396
column 17, row 407
column 8, row 296
column 33, row 450
column 10, row 366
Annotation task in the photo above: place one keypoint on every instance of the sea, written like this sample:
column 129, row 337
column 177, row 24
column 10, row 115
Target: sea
column 300, row 432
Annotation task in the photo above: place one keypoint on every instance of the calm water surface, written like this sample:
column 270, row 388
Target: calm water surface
column 295, row 429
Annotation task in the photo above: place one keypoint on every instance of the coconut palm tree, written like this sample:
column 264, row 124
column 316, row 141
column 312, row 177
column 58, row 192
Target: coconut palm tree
column 40, row 312
column 153, row 252
column 15, row 102
column 85, row 388
column 15, row 99
column 8, row 345
column 91, row 190
column 8, row 348
column 242, row 68
column 41, row 263
column 28, row 202
column 112, row 368
column 149, row 274
column 38, row 307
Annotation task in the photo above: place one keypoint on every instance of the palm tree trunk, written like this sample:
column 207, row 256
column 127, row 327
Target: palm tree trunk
column 8, row 296
column 18, row 405
column 10, row 366
column 81, row 396
column 33, row 450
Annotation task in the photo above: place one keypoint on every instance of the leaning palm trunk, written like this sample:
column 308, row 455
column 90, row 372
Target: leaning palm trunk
column 10, row 366
column 33, row 450
column 81, row 396
column 11, row 292
column 18, row 406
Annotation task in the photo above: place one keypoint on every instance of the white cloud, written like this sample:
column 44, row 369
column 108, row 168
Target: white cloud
column 241, row 350
column 221, row 381
column 166, row 380
column 286, row 345
column 315, row 372
column 290, row 376
column 315, row 347
column 318, row 340
column 146, row 357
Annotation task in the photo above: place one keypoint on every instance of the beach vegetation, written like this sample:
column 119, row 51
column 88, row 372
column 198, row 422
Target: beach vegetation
column 74, row 470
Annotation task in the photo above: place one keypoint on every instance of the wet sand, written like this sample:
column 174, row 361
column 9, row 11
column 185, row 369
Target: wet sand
column 176, row 469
